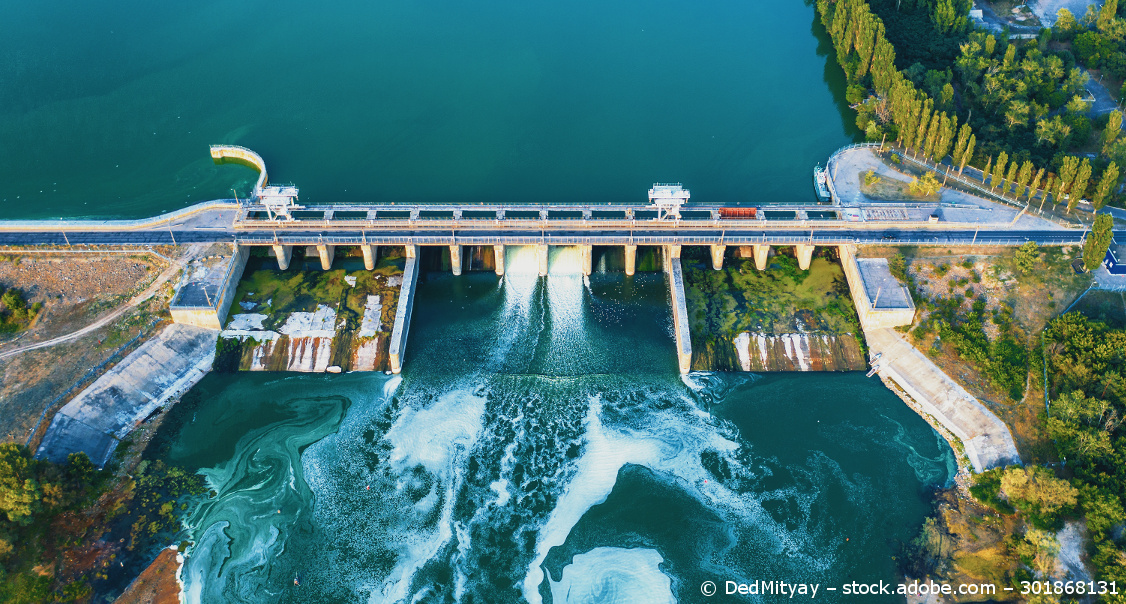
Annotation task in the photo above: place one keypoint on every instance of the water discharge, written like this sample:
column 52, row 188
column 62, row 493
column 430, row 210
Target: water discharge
column 541, row 447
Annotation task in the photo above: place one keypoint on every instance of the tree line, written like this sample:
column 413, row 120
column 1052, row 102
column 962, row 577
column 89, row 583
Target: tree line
column 1023, row 102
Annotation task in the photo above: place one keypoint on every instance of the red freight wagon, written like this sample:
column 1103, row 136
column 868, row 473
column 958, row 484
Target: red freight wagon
column 737, row 212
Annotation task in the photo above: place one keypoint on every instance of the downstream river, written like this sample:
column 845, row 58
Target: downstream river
column 540, row 447
column 107, row 109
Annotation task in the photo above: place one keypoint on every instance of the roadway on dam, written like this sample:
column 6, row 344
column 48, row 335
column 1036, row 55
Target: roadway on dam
column 516, row 236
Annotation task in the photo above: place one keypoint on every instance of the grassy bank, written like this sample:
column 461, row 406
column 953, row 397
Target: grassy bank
column 780, row 300
column 303, row 288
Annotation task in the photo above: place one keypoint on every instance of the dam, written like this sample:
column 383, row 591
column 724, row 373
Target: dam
column 273, row 220
column 276, row 207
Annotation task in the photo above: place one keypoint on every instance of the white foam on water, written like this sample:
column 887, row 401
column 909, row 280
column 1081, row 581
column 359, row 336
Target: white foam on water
column 433, row 436
column 500, row 485
column 438, row 437
column 565, row 260
column 613, row 575
column 661, row 447
column 742, row 349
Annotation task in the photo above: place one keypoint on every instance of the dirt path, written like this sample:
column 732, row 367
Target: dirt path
column 149, row 292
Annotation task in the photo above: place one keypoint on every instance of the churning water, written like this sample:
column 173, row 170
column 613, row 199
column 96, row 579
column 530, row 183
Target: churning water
column 541, row 447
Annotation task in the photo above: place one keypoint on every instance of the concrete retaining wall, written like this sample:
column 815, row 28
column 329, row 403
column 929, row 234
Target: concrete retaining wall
column 403, row 314
column 213, row 317
column 680, row 315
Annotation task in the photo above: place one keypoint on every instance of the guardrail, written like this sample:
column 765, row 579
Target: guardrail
column 555, row 225
column 118, row 225
column 960, row 238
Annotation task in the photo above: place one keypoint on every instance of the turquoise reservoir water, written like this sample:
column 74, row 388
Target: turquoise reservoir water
column 107, row 109
column 540, row 446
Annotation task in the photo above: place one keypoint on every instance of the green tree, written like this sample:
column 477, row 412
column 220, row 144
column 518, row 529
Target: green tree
column 960, row 143
column 1040, row 548
column 897, row 265
column 1017, row 114
column 1035, row 184
column 1079, row 185
column 1098, row 242
column 1082, row 426
column 1010, row 177
column 1068, row 167
column 20, row 494
column 1106, row 15
column 998, row 170
column 1101, row 508
column 1037, row 491
column 925, row 186
column 1023, row 176
column 1027, row 256
column 1112, row 130
column 1106, row 183
column 969, row 153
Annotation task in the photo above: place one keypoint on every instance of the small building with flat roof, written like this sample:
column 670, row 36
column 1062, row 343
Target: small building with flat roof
column 881, row 300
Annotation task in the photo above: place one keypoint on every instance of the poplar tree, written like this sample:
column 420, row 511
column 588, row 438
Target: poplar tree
column 960, row 144
column 1113, row 128
column 985, row 172
column 1024, row 176
column 1079, row 185
column 883, row 63
column 924, row 121
column 998, row 170
column 1010, row 177
column 1098, row 242
column 1048, row 190
column 1068, row 167
column 1106, row 183
column 949, row 125
column 968, row 154
column 1035, row 185
column 865, row 43
column 932, row 135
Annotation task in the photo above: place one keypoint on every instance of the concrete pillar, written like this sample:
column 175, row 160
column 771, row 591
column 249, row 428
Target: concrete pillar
column 411, row 251
column 498, row 258
column 455, row 259
column 805, row 255
column 284, row 253
column 631, row 259
column 369, row 256
column 326, row 253
column 587, row 253
column 717, row 256
column 762, row 252
column 541, row 254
